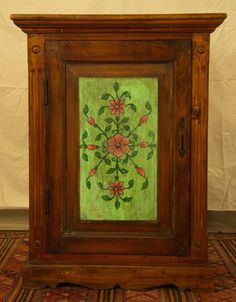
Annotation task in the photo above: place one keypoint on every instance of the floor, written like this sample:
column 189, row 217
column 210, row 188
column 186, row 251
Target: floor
column 218, row 221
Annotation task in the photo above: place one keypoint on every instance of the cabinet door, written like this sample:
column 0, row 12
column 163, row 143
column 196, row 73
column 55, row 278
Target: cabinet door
column 118, row 149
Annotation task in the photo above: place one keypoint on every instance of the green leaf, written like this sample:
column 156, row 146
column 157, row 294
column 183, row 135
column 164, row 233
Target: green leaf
column 98, row 154
column 86, row 109
column 124, row 171
column 88, row 184
column 127, row 199
column 100, row 185
column 108, row 161
column 126, row 94
column 145, row 185
column 151, row 133
column 109, row 120
column 148, row 106
column 150, row 155
column 125, row 161
column 108, row 128
column 83, row 146
column 98, row 137
column 130, row 183
column 117, row 204
column 116, row 86
column 133, row 107
column 85, row 134
column 111, row 170
column 134, row 153
column 85, row 156
column 101, row 110
column 135, row 137
column 106, row 197
column 124, row 120
column 105, row 96
column 152, row 145
column 127, row 127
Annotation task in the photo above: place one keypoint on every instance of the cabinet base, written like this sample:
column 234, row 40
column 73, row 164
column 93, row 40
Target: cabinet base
column 199, row 277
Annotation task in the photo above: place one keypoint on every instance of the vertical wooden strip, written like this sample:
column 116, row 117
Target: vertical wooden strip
column 56, row 143
column 200, row 62
column 37, row 142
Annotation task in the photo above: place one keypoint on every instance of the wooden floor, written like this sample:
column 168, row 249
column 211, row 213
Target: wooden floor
column 218, row 221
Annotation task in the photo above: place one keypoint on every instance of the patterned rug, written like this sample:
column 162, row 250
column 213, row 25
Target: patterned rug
column 13, row 254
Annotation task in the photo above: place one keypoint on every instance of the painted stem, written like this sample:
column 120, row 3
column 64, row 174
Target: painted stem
column 102, row 131
column 101, row 160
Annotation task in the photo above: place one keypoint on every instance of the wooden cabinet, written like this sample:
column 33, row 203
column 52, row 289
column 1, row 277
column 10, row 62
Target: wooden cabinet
column 118, row 149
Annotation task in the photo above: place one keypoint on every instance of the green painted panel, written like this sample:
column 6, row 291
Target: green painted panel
column 118, row 148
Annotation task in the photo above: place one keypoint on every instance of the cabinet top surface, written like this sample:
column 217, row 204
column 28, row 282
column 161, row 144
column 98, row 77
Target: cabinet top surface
column 54, row 23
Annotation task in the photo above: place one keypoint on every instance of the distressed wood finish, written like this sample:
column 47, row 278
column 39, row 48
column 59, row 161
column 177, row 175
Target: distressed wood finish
column 132, row 277
column 175, row 23
column 37, row 144
column 131, row 254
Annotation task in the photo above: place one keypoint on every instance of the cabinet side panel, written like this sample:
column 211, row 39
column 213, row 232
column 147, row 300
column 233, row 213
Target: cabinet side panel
column 37, row 143
column 200, row 64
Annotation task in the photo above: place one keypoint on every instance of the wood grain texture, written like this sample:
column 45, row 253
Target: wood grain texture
column 174, row 48
column 134, row 277
column 37, row 144
column 120, row 23
column 200, row 63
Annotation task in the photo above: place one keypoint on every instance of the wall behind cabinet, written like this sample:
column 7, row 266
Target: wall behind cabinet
column 14, row 91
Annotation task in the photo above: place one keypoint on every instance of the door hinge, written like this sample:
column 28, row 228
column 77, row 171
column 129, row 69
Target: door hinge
column 47, row 198
column 46, row 92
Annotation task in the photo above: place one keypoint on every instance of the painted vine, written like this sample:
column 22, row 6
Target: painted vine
column 116, row 145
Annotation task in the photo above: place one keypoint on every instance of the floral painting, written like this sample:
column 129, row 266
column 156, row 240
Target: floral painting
column 118, row 148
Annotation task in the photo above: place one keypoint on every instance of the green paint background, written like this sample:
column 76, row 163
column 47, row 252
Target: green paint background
column 143, row 206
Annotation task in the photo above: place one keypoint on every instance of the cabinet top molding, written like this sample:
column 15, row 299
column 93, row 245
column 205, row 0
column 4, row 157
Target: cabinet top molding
column 163, row 23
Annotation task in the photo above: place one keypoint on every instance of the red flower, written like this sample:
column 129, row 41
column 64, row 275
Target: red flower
column 117, row 188
column 140, row 171
column 143, row 145
column 143, row 119
column 91, row 120
column 91, row 147
column 118, row 145
column 93, row 172
column 117, row 106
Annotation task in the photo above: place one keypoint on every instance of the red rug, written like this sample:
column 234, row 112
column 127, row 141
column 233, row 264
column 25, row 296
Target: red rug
column 13, row 254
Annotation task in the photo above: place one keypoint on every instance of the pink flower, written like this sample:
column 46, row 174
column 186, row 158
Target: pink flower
column 91, row 147
column 140, row 171
column 117, row 106
column 143, row 145
column 91, row 120
column 117, row 188
column 143, row 119
column 118, row 145
column 93, row 172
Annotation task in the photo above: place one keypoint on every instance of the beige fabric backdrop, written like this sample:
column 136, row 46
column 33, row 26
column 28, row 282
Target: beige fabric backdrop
column 14, row 93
